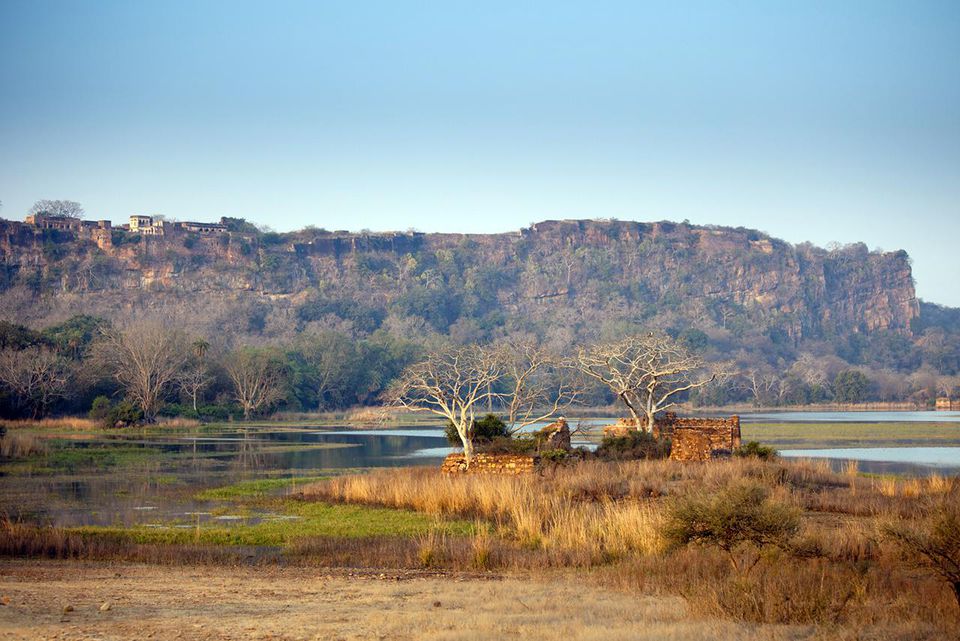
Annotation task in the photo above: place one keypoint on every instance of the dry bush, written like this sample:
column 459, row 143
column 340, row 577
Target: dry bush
column 739, row 515
column 933, row 541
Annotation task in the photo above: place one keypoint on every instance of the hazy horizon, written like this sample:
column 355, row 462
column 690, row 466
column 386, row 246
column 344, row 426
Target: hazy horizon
column 816, row 122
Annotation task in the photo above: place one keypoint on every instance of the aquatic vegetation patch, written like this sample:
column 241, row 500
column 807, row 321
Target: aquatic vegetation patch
column 827, row 435
column 73, row 459
column 290, row 521
column 257, row 488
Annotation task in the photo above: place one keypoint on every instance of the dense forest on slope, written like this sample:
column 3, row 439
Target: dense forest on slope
column 790, row 318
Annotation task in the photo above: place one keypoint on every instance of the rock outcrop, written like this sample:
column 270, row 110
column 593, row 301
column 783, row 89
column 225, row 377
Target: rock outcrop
column 588, row 271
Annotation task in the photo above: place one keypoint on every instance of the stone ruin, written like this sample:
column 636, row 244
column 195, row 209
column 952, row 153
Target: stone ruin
column 511, row 464
column 692, row 439
column 702, row 439
column 555, row 436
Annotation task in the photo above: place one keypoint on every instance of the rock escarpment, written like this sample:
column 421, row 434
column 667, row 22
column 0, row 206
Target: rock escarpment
column 588, row 272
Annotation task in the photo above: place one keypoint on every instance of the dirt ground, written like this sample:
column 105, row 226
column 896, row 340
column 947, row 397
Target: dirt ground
column 96, row 601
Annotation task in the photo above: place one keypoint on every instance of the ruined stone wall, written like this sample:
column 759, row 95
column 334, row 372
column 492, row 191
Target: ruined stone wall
column 491, row 464
column 701, row 439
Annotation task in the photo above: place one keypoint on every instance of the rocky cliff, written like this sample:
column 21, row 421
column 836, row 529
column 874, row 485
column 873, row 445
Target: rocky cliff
column 578, row 274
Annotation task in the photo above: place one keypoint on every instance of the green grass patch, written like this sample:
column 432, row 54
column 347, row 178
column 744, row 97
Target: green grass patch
column 312, row 520
column 254, row 489
column 74, row 459
column 830, row 435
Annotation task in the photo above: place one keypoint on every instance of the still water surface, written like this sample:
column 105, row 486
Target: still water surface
column 162, row 485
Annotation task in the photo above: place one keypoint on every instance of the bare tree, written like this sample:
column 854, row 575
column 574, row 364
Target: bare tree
column 453, row 383
column 257, row 379
column 764, row 385
column 144, row 358
column 646, row 372
column 193, row 379
column 67, row 208
column 36, row 376
column 535, row 385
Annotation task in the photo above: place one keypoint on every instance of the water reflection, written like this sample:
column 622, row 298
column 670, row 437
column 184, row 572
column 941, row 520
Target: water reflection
column 892, row 460
column 161, row 484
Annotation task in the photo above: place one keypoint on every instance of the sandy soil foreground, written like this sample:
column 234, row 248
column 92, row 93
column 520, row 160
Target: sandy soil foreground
column 63, row 600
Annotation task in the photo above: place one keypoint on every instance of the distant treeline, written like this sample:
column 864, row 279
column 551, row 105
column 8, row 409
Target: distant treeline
column 138, row 369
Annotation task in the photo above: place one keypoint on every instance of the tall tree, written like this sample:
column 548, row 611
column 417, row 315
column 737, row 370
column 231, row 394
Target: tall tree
column 66, row 208
column 647, row 372
column 193, row 379
column 37, row 377
column 144, row 358
column 257, row 377
column 535, row 385
column 453, row 383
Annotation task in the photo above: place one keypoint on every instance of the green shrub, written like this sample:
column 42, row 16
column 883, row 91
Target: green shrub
column 636, row 444
column 753, row 449
column 486, row 429
column 739, row 515
column 523, row 444
column 124, row 413
column 555, row 456
column 100, row 408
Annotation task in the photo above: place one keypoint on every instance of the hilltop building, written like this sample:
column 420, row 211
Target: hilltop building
column 99, row 231
column 96, row 230
column 146, row 225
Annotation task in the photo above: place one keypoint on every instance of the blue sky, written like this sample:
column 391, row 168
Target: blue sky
column 819, row 121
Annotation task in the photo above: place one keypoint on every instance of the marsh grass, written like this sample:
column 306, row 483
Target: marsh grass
column 289, row 521
column 19, row 445
column 829, row 435
column 64, row 423
column 255, row 489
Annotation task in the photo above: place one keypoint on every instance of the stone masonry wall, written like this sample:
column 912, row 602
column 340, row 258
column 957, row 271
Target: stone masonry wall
column 491, row 464
column 704, row 438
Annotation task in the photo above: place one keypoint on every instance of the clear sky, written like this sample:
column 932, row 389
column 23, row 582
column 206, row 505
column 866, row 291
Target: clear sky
column 820, row 121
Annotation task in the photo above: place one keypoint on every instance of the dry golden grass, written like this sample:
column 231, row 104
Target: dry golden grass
column 177, row 422
column 937, row 484
column 20, row 445
column 67, row 422
column 591, row 510
column 607, row 518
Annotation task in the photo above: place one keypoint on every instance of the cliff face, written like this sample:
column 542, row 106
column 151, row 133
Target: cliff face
column 567, row 273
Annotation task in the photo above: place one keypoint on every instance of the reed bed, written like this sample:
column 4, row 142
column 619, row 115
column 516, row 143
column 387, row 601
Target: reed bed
column 19, row 445
column 66, row 422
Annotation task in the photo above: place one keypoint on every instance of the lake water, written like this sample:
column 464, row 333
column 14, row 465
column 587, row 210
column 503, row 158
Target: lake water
column 850, row 417
column 919, row 461
column 161, row 485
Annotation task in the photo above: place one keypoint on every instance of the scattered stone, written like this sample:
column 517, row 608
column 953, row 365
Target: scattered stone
column 436, row 604
column 105, row 606
column 4, row 600
column 67, row 608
